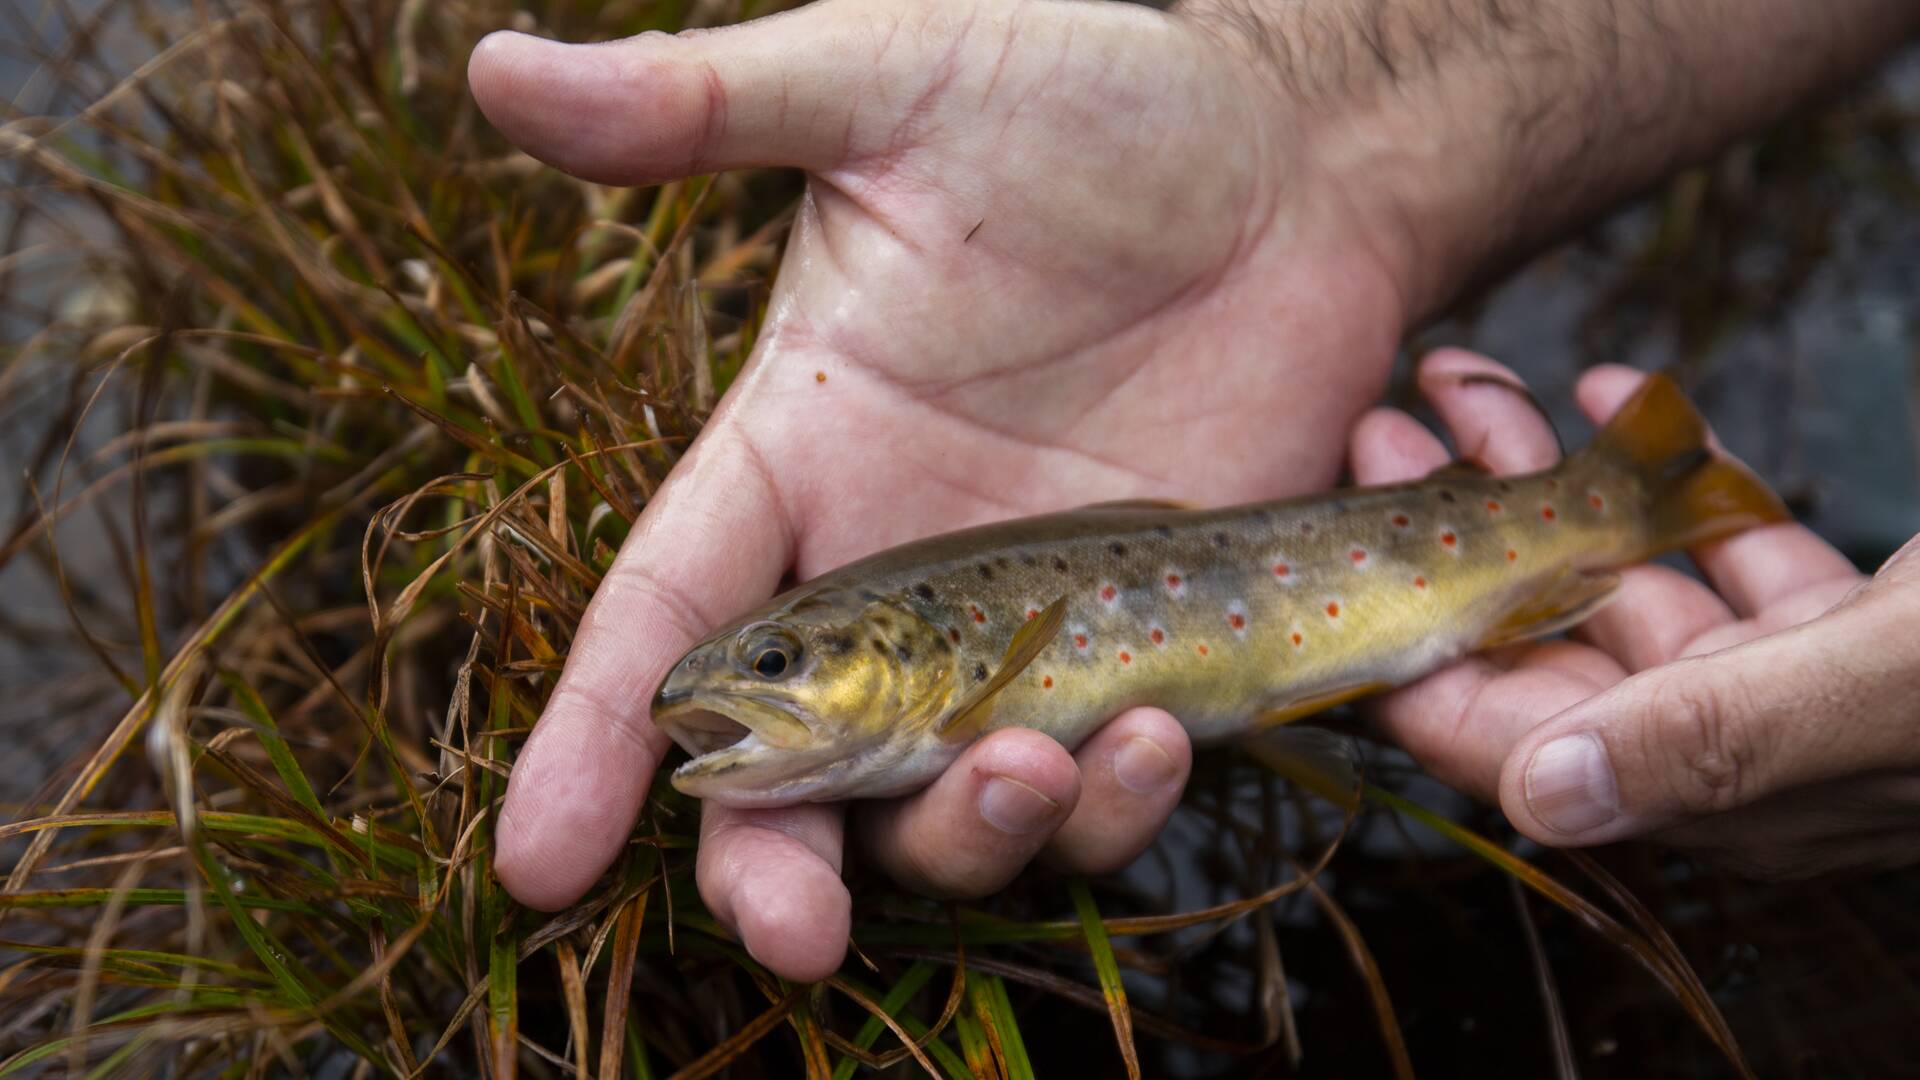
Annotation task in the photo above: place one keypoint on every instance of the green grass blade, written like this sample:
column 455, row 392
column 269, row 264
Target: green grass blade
column 1108, row 968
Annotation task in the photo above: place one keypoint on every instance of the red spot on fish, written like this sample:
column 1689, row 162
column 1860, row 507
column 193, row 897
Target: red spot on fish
column 1079, row 641
column 1173, row 581
column 1333, row 609
column 1492, row 507
column 1594, row 500
column 1047, row 682
column 1281, row 569
column 1108, row 592
column 1237, row 621
column 1126, row 657
column 1449, row 539
column 978, row 615
column 1297, row 639
column 1401, row 521
column 1358, row 555
column 1512, row 555
column 1032, row 614
column 954, row 634
column 1547, row 513
column 1201, row 649
column 1158, row 635
column 1419, row 583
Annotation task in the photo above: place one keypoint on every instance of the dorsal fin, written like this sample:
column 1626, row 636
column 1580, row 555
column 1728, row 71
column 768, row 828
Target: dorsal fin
column 1034, row 635
column 1460, row 467
column 1142, row 504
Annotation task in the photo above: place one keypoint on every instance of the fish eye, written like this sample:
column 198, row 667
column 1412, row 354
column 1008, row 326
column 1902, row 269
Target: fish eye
column 768, row 650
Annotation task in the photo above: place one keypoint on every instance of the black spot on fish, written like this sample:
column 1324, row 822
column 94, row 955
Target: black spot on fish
column 923, row 590
column 941, row 645
column 1060, row 564
column 1119, row 550
column 1028, row 560
column 904, row 653
column 979, row 673
column 985, row 571
column 1001, row 562
column 1164, row 532
column 1445, row 495
column 1220, row 540
column 836, row 642
column 1503, row 486
column 879, row 646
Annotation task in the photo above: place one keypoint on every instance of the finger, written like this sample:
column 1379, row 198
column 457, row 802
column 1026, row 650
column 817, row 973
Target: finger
column 1655, row 616
column 777, row 90
column 984, row 819
column 1462, row 723
column 1752, row 569
column 1131, row 775
column 774, row 877
column 1388, row 447
column 711, row 542
column 1488, row 411
column 1803, row 606
column 1705, row 735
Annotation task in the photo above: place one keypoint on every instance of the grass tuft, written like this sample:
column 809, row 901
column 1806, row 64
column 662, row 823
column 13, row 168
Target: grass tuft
column 332, row 409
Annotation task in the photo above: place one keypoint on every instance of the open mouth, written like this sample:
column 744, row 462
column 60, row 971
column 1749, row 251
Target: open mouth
column 710, row 726
column 701, row 731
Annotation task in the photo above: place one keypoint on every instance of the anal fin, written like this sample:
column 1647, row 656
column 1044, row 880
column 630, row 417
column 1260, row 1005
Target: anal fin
column 1568, row 601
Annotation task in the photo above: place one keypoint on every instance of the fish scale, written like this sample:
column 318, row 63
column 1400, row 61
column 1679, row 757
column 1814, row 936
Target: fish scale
column 871, row 678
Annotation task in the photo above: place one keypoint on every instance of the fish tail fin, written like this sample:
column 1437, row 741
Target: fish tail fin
column 1694, row 492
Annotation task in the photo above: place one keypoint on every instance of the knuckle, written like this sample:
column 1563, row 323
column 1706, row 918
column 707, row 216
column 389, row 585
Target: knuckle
column 1703, row 752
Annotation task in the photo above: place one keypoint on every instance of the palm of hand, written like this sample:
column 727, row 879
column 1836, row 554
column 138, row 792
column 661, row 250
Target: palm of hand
column 1013, row 289
column 1027, row 226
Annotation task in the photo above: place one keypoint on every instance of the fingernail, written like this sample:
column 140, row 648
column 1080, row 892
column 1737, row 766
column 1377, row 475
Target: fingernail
column 1570, row 785
column 1013, row 807
column 1141, row 766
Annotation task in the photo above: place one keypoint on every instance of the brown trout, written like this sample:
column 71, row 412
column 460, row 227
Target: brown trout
column 870, row 679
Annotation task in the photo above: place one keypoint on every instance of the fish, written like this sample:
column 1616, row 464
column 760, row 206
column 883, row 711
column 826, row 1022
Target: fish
column 869, row 680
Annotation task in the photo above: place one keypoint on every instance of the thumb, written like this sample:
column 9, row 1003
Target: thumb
column 774, row 91
column 712, row 541
column 1700, row 736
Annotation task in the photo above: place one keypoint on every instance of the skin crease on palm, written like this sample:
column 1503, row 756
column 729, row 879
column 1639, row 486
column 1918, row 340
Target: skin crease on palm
column 1008, row 267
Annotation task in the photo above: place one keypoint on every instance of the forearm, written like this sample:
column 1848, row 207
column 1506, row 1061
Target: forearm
column 1467, row 131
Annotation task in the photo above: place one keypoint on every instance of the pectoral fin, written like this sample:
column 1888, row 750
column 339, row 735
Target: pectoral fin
column 1569, row 601
column 1033, row 636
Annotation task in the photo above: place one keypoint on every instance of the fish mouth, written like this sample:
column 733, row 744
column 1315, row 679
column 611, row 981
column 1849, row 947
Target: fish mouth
column 747, row 751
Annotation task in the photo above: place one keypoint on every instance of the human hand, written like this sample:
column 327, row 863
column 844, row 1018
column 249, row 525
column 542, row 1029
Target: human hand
column 1769, row 718
column 1051, row 254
